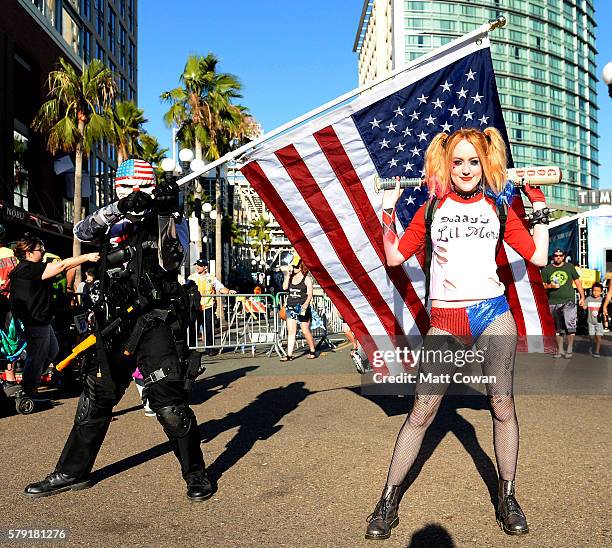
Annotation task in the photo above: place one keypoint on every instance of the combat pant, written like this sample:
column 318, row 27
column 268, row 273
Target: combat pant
column 167, row 397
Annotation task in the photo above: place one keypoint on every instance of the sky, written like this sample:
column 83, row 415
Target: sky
column 290, row 56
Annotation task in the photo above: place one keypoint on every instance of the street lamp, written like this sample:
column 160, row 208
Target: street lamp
column 606, row 74
column 187, row 164
column 209, row 215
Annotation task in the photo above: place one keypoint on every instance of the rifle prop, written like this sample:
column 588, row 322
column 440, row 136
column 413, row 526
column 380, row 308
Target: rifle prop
column 90, row 340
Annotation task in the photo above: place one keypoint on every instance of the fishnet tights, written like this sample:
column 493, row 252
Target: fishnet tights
column 498, row 343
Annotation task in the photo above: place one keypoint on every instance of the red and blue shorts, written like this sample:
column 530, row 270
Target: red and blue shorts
column 469, row 322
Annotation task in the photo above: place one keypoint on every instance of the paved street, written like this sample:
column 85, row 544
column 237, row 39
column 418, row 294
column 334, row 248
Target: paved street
column 301, row 458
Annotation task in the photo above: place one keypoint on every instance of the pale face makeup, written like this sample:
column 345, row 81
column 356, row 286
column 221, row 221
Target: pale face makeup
column 466, row 170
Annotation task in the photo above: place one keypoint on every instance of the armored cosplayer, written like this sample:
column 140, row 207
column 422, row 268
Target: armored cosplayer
column 140, row 319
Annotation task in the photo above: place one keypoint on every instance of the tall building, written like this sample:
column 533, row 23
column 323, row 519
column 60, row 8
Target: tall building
column 35, row 191
column 544, row 60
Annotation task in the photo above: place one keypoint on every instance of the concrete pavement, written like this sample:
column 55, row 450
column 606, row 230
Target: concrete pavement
column 301, row 458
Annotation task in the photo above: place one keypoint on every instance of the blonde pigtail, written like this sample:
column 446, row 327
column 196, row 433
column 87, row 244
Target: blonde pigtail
column 436, row 170
column 497, row 159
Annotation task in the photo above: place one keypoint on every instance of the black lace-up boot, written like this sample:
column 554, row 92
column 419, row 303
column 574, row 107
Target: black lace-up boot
column 54, row 483
column 509, row 514
column 384, row 517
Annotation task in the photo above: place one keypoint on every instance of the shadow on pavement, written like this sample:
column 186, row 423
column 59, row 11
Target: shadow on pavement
column 126, row 411
column 431, row 535
column 257, row 421
column 447, row 420
column 203, row 391
column 208, row 387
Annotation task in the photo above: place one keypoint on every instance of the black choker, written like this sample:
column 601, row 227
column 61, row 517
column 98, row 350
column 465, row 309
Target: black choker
column 467, row 195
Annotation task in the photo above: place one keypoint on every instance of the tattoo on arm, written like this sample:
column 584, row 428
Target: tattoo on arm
column 388, row 220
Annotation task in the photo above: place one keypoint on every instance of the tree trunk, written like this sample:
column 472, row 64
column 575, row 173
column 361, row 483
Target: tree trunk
column 78, row 177
column 218, row 243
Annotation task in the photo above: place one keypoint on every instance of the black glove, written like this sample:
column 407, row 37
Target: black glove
column 167, row 197
column 134, row 202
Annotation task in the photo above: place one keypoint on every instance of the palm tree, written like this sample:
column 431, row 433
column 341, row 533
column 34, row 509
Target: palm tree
column 197, row 107
column 125, row 125
column 73, row 118
column 150, row 152
column 260, row 236
column 203, row 112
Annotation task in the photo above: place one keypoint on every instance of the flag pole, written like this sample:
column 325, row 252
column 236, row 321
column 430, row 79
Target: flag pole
column 483, row 29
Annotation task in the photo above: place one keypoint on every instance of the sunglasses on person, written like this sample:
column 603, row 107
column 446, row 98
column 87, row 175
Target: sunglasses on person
column 558, row 255
column 41, row 249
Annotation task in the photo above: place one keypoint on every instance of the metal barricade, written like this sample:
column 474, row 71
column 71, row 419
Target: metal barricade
column 238, row 322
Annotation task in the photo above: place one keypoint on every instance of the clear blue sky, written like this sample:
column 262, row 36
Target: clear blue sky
column 290, row 56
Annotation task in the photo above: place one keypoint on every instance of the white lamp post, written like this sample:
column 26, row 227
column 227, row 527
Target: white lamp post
column 186, row 155
column 168, row 165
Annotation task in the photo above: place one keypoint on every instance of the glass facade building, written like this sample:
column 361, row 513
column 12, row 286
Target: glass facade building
column 544, row 60
column 95, row 29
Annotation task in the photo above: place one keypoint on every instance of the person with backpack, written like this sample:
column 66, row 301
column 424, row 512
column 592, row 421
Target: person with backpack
column 460, row 227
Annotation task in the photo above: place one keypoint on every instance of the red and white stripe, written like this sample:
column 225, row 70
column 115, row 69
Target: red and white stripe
column 143, row 171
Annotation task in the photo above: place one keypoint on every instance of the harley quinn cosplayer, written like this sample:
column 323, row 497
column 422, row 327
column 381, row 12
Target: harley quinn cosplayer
column 466, row 175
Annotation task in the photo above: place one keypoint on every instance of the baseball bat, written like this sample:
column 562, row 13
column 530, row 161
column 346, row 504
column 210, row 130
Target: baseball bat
column 520, row 176
column 86, row 343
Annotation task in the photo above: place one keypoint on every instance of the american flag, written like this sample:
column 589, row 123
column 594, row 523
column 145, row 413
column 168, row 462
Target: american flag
column 318, row 182
column 135, row 172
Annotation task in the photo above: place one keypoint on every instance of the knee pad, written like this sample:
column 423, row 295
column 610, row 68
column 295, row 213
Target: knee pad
column 88, row 412
column 175, row 419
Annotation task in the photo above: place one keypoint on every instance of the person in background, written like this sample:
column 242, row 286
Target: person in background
column 594, row 306
column 140, row 386
column 8, row 262
column 84, row 288
column 606, row 306
column 31, row 287
column 359, row 357
column 299, row 284
column 208, row 285
column 558, row 277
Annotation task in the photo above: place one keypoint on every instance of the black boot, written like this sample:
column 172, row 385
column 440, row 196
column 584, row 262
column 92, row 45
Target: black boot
column 384, row 517
column 55, row 483
column 510, row 517
column 199, row 487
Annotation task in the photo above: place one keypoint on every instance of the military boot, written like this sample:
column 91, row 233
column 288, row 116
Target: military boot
column 509, row 514
column 384, row 517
